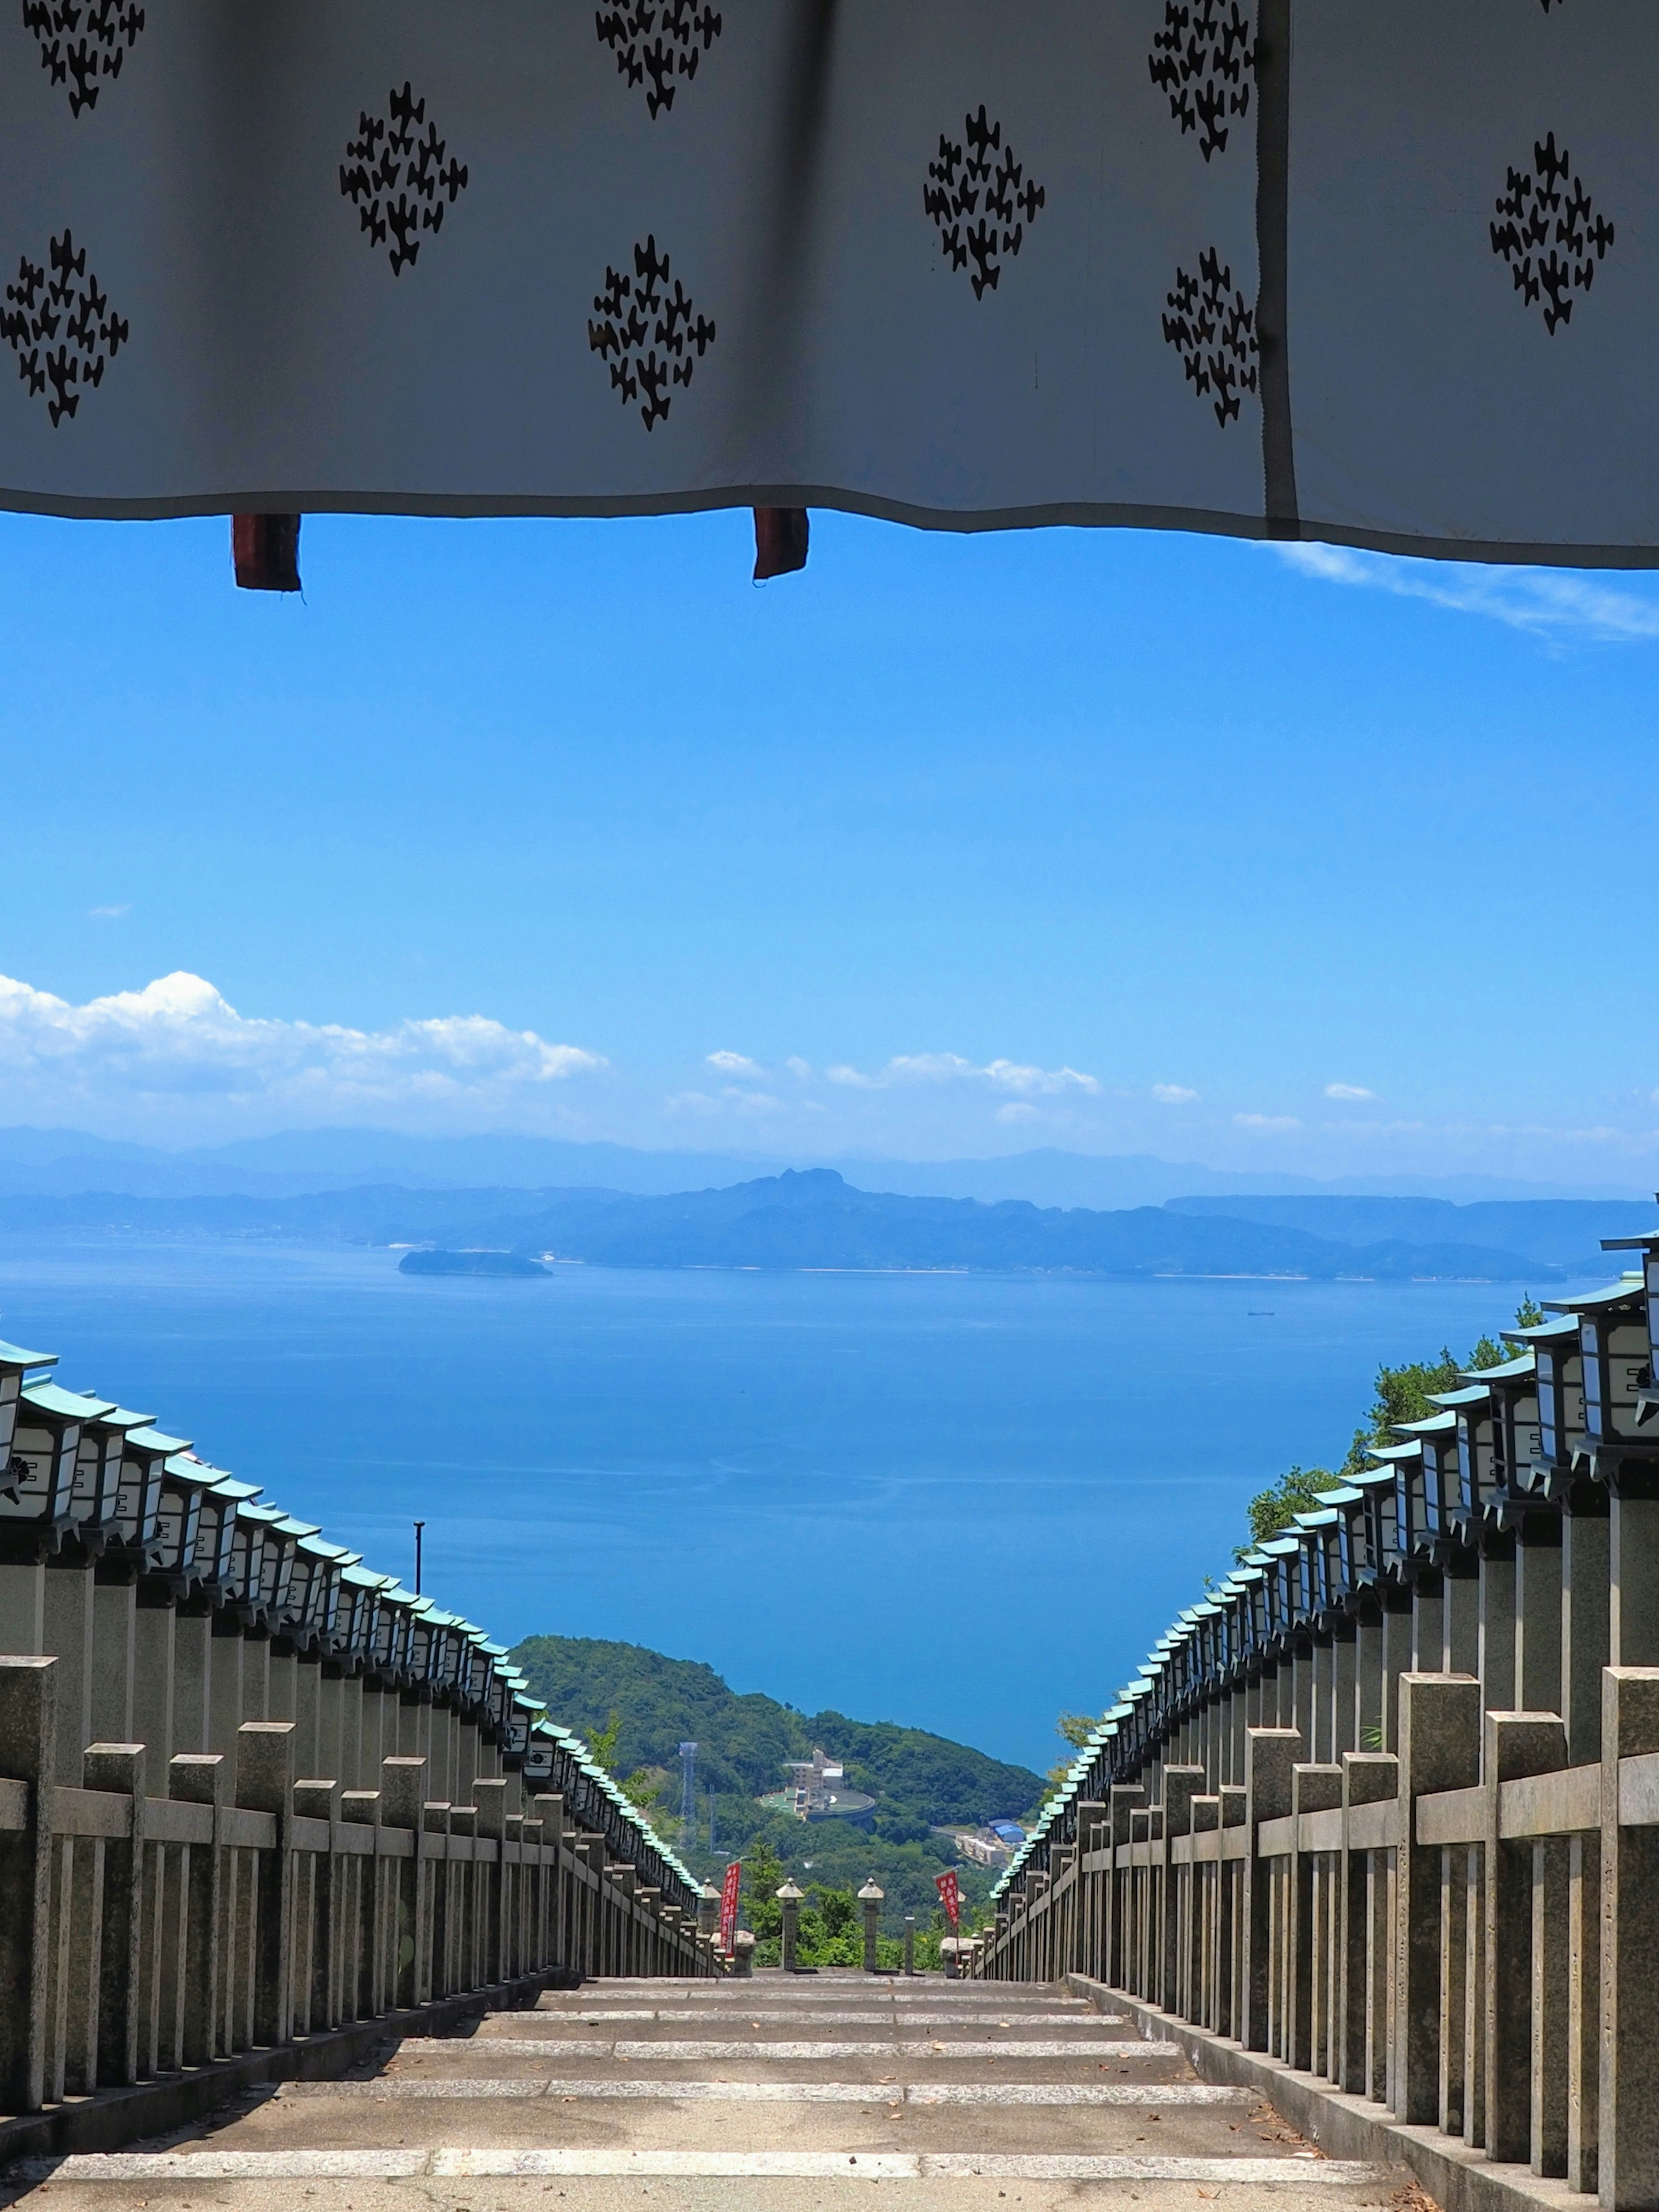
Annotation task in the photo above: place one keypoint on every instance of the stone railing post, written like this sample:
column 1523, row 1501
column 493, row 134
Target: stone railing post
column 790, row 1898
column 743, row 1953
column 1313, row 1789
column 1180, row 1785
column 403, row 1805
column 909, row 1942
column 1519, row 1744
column 120, row 1769
column 1269, row 1755
column 1369, row 1778
column 317, row 1916
column 871, row 1899
column 1123, row 1799
column 1439, row 1749
column 265, row 1784
column 28, row 1753
column 366, row 1952
column 1628, row 2128
column 196, row 2012
column 489, row 1796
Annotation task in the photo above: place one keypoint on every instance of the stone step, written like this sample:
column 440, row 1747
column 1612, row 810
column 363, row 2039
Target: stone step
column 871, row 2119
column 174, row 2172
column 817, row 2018
column 918, row 2095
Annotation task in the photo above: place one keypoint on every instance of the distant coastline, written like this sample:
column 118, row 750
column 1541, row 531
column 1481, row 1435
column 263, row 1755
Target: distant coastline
column 813, row 1221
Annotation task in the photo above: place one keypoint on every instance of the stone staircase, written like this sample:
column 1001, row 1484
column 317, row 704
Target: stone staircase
column 760, row 2095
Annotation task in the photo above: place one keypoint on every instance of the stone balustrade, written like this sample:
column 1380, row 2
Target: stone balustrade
column 252, row 1792
column 1384, row 1806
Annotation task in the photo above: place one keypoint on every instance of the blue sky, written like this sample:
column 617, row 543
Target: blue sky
column 1301, row 860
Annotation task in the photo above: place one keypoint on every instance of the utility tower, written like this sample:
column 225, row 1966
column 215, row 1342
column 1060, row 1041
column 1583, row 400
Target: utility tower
column 688, row 1783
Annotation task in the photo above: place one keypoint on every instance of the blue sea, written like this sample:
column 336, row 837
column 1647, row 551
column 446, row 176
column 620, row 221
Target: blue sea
column 966, row 1503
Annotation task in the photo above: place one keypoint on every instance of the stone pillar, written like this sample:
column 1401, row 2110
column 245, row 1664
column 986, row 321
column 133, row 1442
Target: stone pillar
column 1628, row 2115
column 1428, row 1625
column 67, row 1617
column 307, row 1711
column 1315, row 1787
column 265, row 1784
column 1459, row 1625
column 909, row 1942
column 198, row 1778
column 1538, row 1614
column 870, row 1898
column 1497, row 1667
column 1271, row 1753
column 282, row 1686
column 193, row 1684
column 1322, row 1734
column 28, row 1753
column 169, row 1678
column 22, row 1619
column 120, row 1767
column 789, row 1897
column 1396, row 1662
column 1345, row 1651
column 743, row 1954
column 1633, row 1576
column 1368, row 1778
column 113, row 1657
column 1517, row 1745
column 256, row 1675
column 1439, row 1749
column 224, row 1685
column 1586, row 1627
column 1370, row 1734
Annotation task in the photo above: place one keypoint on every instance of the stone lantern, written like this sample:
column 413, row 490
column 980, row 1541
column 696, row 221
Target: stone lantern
column 790, row 1898
column 1560, row 1373
column 872, row 1899
column 1614, row 1357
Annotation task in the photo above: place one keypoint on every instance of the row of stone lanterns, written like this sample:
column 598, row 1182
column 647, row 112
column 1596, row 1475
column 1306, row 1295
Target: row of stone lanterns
column 174, row 1595
column 1512, row 1534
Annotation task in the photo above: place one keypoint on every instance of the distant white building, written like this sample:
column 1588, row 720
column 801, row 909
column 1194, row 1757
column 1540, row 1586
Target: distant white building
column 818, row 1791
column 982, row 1849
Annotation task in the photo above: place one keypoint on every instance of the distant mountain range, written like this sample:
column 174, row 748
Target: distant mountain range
column 813, row 1219
column 66, row 1162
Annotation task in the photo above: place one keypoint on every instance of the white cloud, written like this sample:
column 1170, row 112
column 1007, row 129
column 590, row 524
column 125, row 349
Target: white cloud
column 108, row 913
column 930, row 1067
column 1016, row 1110
column 1348, row 1091
column 1548, row 602
column 1174, row 1093
column 179, row 1041
column 734, row 1063
column 800, row 1068
column 1266, row 1121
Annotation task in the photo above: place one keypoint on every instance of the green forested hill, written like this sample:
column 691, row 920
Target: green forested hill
column 918, row 1781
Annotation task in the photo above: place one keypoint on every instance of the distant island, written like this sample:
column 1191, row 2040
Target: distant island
column 469, row 1263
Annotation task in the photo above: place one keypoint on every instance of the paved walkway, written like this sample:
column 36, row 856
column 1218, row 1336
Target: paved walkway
column 778, row 2094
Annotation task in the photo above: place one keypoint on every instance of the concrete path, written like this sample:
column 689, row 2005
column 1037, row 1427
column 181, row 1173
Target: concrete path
column 778, row 2094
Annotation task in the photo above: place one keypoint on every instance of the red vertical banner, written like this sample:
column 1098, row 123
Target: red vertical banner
column 729, row 1906
column 949, row 1897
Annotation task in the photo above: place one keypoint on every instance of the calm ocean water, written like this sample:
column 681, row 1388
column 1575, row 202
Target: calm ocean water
column 961, row 1502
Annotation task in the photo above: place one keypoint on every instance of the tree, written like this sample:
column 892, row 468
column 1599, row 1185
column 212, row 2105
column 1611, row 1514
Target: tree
column 602, row 1743
column 1403, row 1394
column 1074, row 1728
